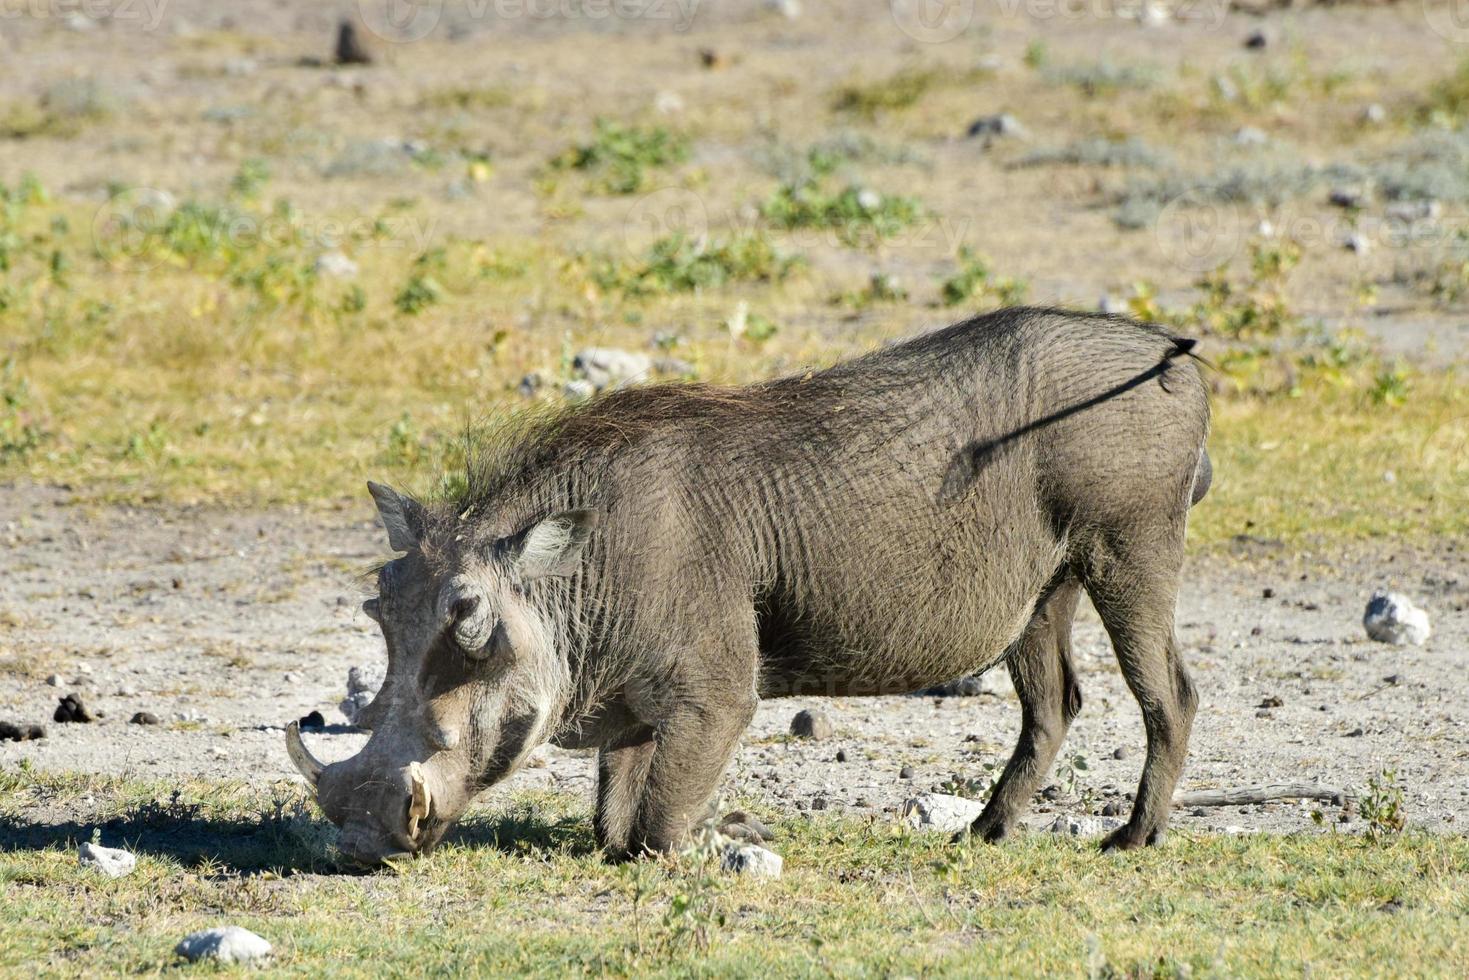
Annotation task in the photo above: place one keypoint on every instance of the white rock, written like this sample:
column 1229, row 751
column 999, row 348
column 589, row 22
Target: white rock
column 941, row 812
column 1251, row 136
column 54, row 680
column 1083, row 826
column 1358, row 243
column 227, row 944
column 1374, row 114
column 578, row 390
column 111, row 861
column 751, row 859
column 668, row 103
column 607, row 367
column 336, row 265
column 1111, row 304
column 1391, row 617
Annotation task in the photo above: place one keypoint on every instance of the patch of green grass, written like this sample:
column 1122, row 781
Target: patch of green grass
column 521, row 890
column 975, row 286
column 619, row 157
column 680, row 264
column 859, row 216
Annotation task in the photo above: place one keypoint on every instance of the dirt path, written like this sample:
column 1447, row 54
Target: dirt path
column 226, row 624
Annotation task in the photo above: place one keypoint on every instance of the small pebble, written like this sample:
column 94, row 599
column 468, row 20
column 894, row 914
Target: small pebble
column 906, row 772
column 312, row 722
column 144, row 718
column 227, row 944
column 111, row 861
column 1119, row 753
column 71, row 709
column 811, row 724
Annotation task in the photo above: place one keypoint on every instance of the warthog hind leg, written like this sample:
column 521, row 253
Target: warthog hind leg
column 1045, row 679
column 1133, row 583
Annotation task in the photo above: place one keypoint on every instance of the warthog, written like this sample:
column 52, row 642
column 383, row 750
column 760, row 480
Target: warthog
column 635, row 573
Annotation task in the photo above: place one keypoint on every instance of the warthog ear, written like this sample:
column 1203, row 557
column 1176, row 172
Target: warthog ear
column 554, row 545
column 402, row 516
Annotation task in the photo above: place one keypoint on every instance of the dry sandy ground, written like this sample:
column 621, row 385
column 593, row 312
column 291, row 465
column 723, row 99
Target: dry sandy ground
column 226, row 624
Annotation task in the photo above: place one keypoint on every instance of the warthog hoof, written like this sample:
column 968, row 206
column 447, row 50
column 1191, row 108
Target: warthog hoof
column 1127, row 837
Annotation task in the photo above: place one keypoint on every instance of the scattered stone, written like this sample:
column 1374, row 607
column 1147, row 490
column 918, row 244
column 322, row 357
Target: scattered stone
column 1356, row 732
column 71, row 710
column 1272, row 701
column 675, row 366
column 13, row 732
column 530, row 385
column 1391, row 617
column 668, row 103
column 1120, row 752
column 111, row 861
column 1346, row 197
column 1051, row 793
column 227, row 944
column 362, row 686
column 1074, row 826
column 1411, row 211
column 335, row 265
column 746, row 827
column 841, row 755
column 753, row 860
column 713, row 59
column 1112, row 809
column 1358, row 243
column 610, row 367
column 144, row 718
column 1374, row 114
column 994, row 127
column 312, row 722
column 941, row 812
column 812, row 724
column 1256, row 40
column 54, row 680
column 818, row 803
column 350, row 50
column 80, row 23
column 578, row 390
column 906, row 772
column 1250, row 136
column 1111, row 305
column 1267, row 593
column 789, row 9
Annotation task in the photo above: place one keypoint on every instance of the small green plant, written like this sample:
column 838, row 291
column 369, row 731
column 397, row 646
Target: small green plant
column 620, row 156
column 1382, row 806
column 898, row 91
column 1390, row 387
column 250, row 179
column 881, row 287
column 859, row 216
column 680, row 264
column 20, row 430
column 418, row 294
column 975, row 285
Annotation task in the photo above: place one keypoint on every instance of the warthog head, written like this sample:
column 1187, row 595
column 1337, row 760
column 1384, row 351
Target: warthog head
column 473, row 684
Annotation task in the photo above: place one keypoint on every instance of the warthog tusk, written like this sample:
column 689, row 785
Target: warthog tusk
column 418, row 806
column 308, row 765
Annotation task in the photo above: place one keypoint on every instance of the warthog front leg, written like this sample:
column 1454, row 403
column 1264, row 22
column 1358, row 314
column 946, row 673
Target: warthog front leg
column 622, row 775
column 1045, row 679
column 692, row 748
